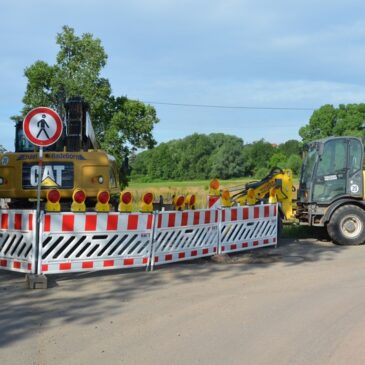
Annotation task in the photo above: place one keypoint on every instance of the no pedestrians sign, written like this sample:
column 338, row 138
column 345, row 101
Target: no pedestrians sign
column 42, row 126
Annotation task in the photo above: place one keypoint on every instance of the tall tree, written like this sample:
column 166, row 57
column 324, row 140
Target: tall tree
column 330, row 121
column 121, row 124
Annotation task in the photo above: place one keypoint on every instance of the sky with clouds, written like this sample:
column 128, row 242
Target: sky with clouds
column 269, row 54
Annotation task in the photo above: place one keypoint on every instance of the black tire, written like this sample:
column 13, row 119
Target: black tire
column 347, row 225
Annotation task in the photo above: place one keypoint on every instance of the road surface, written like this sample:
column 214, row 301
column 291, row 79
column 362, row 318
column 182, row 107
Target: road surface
column 302, row 303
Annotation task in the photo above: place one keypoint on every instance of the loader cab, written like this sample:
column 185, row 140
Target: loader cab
column 332, row 169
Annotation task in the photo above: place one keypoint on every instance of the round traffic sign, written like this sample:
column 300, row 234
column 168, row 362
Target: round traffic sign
column 42, row 126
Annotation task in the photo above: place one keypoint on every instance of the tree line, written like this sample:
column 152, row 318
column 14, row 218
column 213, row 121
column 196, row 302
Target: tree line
column 201, row 156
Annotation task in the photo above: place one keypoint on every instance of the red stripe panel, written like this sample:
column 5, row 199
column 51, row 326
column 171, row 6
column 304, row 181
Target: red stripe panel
column 156, row 258
column 4, row 221
column 234, row 247
column 244, row 244
column 16, row 265
column 194, row 253
column 87, row 265
column 255, row 243
column 266, row 211
column 216, row 216
column 3, row 263
column 149, row 221
column 223, row 215
column 266, row 242
column 181, row 255
column 47, row 223
column 90, row 222
column 159, row 223
column 274, row 239
column 223, row 248
column 128, row 262
column 196, row 218
column 245, row 213
column 233, row 214
column 108, row 263
column 275, row 210
column 44, row 268
column 29, row 266
column 215, row 249
column 207, row 217
column 18, row 221
column 184, row 218
column 168, row 257
column 256, row 212
column 171, row 222
column 112, row 222
column 68, row 222
column 30, row 222
column 132, row 221
column 65, row 266
column 145, row 261
column 205, row 251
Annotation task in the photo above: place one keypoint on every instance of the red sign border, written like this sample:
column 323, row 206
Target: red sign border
column 55, row 116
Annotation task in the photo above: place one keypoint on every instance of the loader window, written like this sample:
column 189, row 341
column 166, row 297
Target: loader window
column 331, row 175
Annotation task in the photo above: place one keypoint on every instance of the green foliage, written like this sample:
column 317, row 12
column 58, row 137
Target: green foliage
column 122, row 125
column 346, row 120
column 294, row 163
column 261, row 173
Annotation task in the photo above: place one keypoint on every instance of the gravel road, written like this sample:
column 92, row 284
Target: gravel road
column 302, row 303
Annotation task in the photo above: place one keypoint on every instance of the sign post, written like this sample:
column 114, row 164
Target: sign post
column 43, row 127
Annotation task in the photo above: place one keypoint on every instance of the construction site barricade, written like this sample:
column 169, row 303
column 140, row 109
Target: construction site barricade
column 74, row 242
column 17, row 240
column 248, row 227
column 185, row 235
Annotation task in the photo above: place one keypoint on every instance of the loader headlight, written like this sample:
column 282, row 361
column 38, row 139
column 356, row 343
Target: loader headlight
column 100, row 179
column 2, row 181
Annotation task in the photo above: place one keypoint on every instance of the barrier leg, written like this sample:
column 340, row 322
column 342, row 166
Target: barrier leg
column 151, row 264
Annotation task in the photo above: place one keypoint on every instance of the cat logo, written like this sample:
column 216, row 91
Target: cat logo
column 52, row 175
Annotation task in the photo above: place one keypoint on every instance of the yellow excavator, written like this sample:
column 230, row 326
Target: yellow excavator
column 73, row 168
column 331, row 190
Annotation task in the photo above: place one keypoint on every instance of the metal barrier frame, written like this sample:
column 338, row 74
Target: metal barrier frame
column 72, row 242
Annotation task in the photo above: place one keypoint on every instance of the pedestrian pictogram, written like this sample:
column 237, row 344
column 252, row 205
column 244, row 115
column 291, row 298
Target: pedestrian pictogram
column 42, row 126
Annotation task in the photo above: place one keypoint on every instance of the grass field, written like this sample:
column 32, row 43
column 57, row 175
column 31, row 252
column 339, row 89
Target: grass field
column 169, row 188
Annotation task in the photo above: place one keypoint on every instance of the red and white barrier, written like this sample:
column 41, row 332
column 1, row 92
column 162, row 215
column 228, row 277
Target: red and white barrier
column 185, row 235
column 71, row 242
column 248, row 227
column 95, row 241
column 17, row 240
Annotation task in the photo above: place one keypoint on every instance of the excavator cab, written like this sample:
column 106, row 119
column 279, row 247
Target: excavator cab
column 332, row 171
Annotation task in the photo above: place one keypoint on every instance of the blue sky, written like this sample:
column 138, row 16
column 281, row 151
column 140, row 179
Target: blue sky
column 300, row 54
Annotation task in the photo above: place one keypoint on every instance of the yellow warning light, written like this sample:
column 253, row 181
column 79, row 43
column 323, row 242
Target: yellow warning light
column 214, row 187
column 102, row 204
column 251, row 199
column 125, row 202
column 190, row 201
column 226, row 199
column 147, row 203
column 53, row 201
column 178, row 202
column 78, row 201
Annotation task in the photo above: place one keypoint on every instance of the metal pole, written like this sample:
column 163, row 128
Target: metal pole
column 38, row 214
column 152, row 254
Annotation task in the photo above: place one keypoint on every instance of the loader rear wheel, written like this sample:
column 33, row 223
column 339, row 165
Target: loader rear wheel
column 347, row 225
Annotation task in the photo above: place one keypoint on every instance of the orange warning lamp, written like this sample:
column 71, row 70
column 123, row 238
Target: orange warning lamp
column 190, row 201
column 147, row 203
column 214, row 187
column 125, row 202
column 53, row 201
column 102, row 204
column 226, row 199
column 78, row 201
column 178, row 202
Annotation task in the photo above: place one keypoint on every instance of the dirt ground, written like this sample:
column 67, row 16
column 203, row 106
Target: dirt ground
column 302, row 303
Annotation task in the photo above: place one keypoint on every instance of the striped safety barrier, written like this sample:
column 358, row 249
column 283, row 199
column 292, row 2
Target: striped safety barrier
column 185, row 235
column 95, row 241
column 71, row 242
column 17, row 240
column 248, row 227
